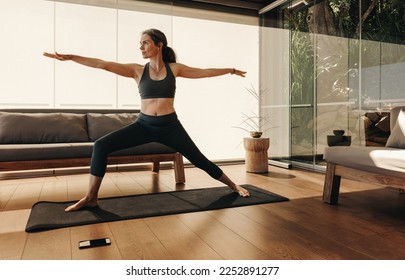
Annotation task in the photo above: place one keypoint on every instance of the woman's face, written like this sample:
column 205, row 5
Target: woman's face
column 148, row 47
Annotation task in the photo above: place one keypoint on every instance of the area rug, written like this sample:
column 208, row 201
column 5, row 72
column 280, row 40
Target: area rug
column 47, row 215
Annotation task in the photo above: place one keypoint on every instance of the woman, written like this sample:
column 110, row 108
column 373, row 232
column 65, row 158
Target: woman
column 157, row 120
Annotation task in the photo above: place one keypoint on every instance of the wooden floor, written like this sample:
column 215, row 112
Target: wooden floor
column 369, row 223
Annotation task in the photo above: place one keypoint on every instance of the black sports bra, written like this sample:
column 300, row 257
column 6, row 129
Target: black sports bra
column 149, row 88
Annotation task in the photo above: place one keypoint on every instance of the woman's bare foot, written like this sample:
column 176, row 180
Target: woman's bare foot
column 84, row 202
column 241, row 191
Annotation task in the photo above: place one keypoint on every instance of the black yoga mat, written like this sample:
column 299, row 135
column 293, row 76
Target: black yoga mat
column 51, row 215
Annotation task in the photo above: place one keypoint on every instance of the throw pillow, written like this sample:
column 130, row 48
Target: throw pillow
column 397, row 137
column 34, row 128
column 384, row 124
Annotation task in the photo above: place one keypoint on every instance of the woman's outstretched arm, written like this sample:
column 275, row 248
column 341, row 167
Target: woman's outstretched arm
column 185, row 71
column 126, row 70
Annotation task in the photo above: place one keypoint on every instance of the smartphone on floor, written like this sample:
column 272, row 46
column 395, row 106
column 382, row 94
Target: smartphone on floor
column 94, row 243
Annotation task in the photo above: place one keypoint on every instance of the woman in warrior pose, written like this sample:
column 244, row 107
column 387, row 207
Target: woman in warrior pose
column 157, row 121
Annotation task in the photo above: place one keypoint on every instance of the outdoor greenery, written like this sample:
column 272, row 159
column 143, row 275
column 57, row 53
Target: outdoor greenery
column 381, row 20
column 368, row 20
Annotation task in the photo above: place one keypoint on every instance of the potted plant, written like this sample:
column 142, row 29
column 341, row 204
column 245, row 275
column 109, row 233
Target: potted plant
column 253, row 123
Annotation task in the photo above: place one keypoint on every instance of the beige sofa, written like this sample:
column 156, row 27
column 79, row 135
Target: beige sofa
column 57, row 138
column 380, row 165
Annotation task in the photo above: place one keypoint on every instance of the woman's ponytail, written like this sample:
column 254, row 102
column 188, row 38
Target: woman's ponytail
column 168, row 54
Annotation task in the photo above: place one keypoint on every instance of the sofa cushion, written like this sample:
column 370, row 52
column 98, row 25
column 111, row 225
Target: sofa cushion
column 102, row 124
column 32, row 128
column 23, row 152
column 381, row 160
column 397, row 137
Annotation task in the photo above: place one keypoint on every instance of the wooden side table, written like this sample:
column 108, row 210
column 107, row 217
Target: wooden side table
column 256, row 154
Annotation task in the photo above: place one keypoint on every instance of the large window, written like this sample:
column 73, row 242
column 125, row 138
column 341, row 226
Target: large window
column 347, row 59
column 111, row 29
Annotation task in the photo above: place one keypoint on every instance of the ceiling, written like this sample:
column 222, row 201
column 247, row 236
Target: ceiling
column 251, row 7
column 255, row 5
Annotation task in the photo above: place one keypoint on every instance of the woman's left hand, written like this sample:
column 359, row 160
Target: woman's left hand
column 239, row 72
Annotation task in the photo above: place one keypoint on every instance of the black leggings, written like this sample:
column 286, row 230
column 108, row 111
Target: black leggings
column 165, row 129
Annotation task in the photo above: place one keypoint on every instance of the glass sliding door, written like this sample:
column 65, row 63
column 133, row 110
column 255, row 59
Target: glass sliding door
column 347, row 62
column 321, row 67
column 302, row 87
column 275, row 86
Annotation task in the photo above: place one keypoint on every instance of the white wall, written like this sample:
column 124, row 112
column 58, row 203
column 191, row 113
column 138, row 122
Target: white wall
column 208, row 108
column 26, row 30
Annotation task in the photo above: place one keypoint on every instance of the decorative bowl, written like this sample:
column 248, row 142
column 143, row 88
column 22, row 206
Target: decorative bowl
column 256, row 134
column 338, row 132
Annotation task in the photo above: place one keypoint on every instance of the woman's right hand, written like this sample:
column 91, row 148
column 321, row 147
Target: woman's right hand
column 58, row 56
column 125, row 70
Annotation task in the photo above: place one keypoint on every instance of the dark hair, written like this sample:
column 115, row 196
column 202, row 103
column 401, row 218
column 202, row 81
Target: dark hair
column 157, row 37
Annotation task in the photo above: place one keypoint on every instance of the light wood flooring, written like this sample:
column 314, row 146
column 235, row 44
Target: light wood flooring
column 369, row 222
